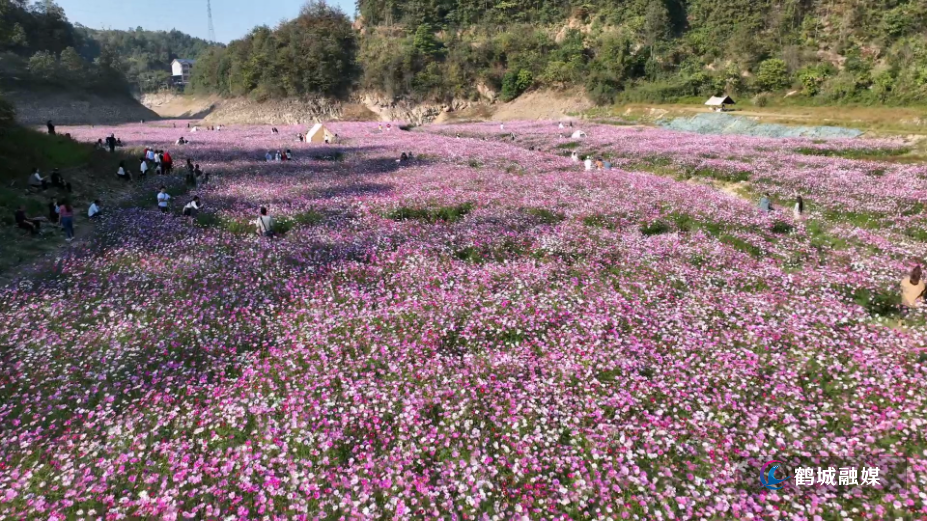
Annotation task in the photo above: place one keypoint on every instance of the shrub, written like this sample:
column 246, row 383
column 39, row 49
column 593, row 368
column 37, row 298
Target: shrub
column 773, row 74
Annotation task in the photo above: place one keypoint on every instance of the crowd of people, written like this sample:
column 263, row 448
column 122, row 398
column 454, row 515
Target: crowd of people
column 60, row 214
column 278, row 156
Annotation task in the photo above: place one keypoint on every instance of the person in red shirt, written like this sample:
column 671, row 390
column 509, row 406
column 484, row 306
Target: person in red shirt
column 168, row 162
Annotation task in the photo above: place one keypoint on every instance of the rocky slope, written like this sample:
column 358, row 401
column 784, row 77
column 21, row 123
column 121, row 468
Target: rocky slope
column 35, row 108
column 365, row 107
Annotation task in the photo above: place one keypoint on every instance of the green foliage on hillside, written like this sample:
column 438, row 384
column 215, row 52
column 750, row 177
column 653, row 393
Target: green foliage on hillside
column 40, row 48
column 831, row 51
column 144, row 56
column 315, row 53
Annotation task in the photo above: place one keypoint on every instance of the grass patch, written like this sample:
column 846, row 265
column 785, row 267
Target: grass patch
column 918, row 234
column 655, row 228
column 720, row 175
column 915, row 209
column 739, row 244
column 508, row 249
column 869, row 153
column 782, row 227
column 600, row 221
column 880, row 303
column 822, row 239
column 858, row 219
column 448, row 214
column 23, row 149
column 568, row 146
column 545, row 216
column 282, row 225
column 475, row 163
column 287, row 223
column 687, row 223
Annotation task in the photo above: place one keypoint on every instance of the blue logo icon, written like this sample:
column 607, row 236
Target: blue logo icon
column 768, row 475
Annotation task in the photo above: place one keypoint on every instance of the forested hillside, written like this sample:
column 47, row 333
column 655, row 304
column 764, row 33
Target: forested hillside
column 145, row 56
column 315, row 53
column 39, row 47
column 829, row 51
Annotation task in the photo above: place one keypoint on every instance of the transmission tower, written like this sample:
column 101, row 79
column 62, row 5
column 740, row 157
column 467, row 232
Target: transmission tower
column 212, row 30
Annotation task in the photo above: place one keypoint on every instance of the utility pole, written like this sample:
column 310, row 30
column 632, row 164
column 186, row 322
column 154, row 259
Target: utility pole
column 212, row 30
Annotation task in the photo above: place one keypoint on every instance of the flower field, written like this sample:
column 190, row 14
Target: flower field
column 483, row 332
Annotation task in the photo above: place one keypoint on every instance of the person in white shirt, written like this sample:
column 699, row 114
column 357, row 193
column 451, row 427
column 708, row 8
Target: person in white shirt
column 150, row 155
column 265, row 224
column 193, row 207
column 799, row 209
column 574, row 157
column 163, row 199
column 122, row 173
column 588, row 163
column 94, row 210
column 277, row 156
column 144, row 167
column 561, row 126
column 36, row 180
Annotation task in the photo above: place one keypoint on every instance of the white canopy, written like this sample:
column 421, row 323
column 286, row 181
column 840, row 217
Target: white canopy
column 579, row 134
column 719, row 101
column 319, row 134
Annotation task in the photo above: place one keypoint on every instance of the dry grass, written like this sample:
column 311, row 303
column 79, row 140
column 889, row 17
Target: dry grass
column 875, row 121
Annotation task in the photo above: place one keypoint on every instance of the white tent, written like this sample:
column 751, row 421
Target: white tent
column 579, row 134
column 719, row 102
column 319, row 134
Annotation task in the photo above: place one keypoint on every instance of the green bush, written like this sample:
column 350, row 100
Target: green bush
column 773, row 74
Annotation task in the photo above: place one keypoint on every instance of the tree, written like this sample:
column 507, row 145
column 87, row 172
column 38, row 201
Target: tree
column 71, row 61
column 43, row 65
column 425, row 41
column 656, row 24
column 773, row 74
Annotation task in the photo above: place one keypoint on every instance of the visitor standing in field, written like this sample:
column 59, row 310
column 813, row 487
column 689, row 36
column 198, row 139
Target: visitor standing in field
column 913, row 288
column 265, row 223
column 163, row 199
column 799, row 209
column 51, row 128
column 67, row 220
column 143, row 168
column 168, row 162
column 588, row 163
column 53, row 211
